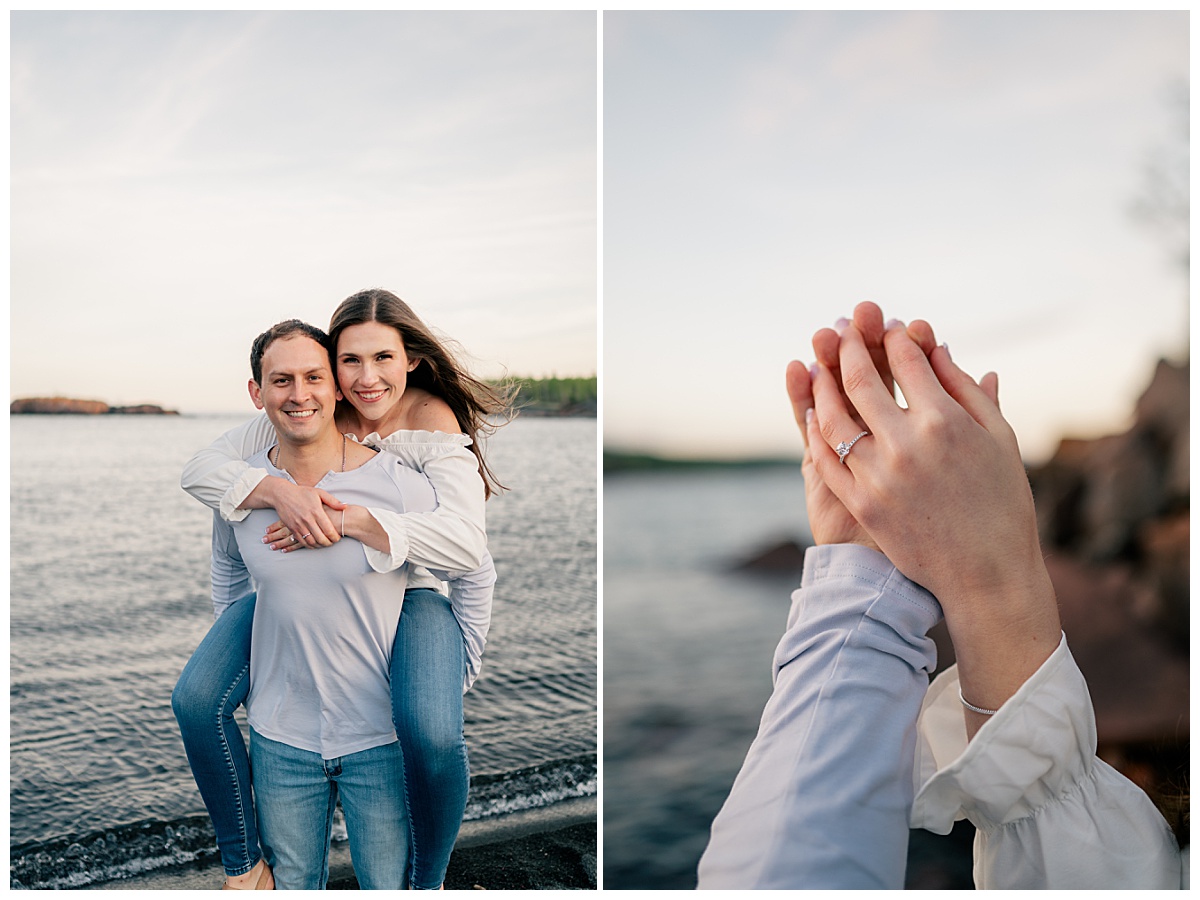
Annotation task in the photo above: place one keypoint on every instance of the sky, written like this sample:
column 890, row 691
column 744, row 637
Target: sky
column 182, row 181
column 765, row 172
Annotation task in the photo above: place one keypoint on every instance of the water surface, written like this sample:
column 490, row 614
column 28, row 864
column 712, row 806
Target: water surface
column 110, row 595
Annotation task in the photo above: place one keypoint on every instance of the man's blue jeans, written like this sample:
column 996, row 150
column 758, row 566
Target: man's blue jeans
column 297, row 792
column 428, row 661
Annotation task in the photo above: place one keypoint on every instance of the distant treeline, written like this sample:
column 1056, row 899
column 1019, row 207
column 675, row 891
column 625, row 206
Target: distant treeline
column 619, row 461
column 554, row 396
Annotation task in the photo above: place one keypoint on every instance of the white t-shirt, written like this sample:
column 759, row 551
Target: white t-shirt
column 324, row 622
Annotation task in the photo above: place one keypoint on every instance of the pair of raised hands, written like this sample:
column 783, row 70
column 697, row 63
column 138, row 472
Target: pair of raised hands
column 938, row 487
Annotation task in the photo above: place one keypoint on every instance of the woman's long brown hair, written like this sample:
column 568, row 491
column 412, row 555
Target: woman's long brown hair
column 472, row 401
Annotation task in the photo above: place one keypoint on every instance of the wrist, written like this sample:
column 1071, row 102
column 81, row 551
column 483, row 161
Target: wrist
column 266, row 493
column 1002, row 637
column 349, row 521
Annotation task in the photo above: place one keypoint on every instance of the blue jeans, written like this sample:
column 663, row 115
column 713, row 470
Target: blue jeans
column 428, row 661
column 214, row 683
column 297, row 791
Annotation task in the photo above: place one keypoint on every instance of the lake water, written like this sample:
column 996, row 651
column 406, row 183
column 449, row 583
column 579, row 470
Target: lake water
column 687, row 655
column 110, row 595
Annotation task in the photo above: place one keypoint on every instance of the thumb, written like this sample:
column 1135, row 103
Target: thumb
column 331, row 501
column 979, row 403
column 799, row 389
column 991, row 386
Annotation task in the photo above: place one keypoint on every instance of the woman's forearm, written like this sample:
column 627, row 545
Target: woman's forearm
column 218, row 475
column 1002, row 639
column 360, row 524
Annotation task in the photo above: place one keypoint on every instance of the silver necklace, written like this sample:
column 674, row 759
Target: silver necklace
column 278, row 449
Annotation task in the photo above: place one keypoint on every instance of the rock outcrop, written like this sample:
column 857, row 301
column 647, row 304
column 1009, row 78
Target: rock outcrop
column 1124, row 500
column 70, row 407
column 1115, row 523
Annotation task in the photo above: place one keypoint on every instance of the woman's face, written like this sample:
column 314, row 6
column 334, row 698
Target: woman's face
column 372, row 368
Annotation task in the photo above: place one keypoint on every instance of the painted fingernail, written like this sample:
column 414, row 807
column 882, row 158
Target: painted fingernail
column 840, row 325
column 892, row 323
column 808, row 414
column 946, row 347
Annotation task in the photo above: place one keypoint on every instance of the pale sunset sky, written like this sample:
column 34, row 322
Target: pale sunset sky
column 765, row 172
column 182, row 181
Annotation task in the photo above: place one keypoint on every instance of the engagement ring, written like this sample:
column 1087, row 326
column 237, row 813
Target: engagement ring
column 843, row 449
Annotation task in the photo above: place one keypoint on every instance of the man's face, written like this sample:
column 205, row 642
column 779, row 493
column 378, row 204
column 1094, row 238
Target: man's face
column 297, row 391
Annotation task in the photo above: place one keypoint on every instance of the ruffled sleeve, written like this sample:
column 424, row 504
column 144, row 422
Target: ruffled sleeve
column 452, row 537
column 1048, row 813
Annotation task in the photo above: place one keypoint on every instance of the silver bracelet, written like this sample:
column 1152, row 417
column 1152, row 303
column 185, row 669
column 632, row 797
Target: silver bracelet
column 982, row 712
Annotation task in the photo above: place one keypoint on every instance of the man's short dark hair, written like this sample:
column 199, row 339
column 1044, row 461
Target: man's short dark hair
column 275, row 332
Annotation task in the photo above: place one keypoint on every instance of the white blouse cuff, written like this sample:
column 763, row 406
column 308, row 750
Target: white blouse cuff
column 237, row 494
column 397, row 532
column 1037, row 747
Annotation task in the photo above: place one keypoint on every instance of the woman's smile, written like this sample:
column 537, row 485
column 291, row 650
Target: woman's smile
column 370, row 396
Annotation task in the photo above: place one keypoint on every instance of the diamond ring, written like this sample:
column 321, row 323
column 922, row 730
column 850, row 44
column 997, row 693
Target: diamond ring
column 843, row 449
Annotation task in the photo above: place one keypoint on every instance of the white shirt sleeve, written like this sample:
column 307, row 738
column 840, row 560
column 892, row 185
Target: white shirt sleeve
column 1048, row 813
column 471, row 601
column 823, row 798
column 218, row 475
column 452, row 537
column 230, row 577
column 470, row 592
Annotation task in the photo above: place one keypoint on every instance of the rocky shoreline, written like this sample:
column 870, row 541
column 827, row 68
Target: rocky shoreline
column 66, row 406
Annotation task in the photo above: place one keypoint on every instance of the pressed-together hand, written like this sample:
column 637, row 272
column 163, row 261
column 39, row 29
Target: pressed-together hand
column 304, row 513
column 941, row 489
column 828, row 518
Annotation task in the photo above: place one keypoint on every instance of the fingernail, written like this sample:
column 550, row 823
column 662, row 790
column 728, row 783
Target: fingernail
column 808, row 414
column 892, row 323
column 812, row 371
column 840, row 325
column 946, row 347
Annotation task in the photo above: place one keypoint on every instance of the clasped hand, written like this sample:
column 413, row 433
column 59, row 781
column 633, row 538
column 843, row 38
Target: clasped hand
column 938, row 486
column 304, row 514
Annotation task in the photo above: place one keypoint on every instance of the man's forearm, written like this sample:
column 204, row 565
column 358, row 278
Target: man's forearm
column 824, row 795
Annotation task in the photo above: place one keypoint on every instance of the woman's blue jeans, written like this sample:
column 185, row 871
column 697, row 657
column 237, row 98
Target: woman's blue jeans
column 428, row 662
